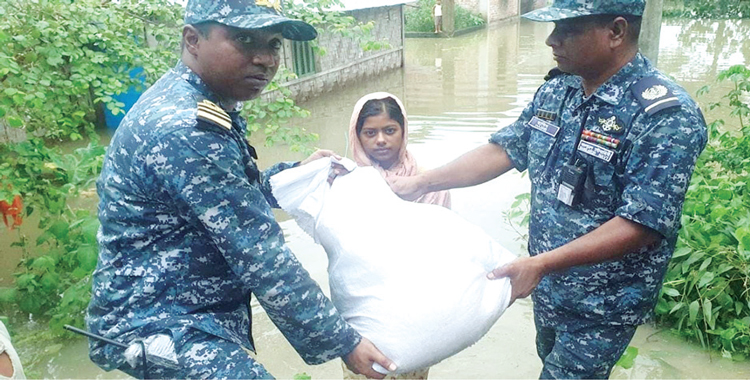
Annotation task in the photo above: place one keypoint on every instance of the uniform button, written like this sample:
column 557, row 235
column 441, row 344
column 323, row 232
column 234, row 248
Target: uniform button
column 117, row 264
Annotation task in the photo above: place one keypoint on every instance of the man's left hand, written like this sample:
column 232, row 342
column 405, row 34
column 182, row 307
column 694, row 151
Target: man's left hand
column 320, row 153
column 361, row 359
column 524, row 274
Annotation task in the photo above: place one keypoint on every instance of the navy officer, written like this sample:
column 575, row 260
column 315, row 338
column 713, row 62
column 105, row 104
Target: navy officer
column 187, row 232
column 610, row 144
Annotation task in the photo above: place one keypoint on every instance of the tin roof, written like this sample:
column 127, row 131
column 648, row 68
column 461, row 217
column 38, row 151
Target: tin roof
column 350, row 5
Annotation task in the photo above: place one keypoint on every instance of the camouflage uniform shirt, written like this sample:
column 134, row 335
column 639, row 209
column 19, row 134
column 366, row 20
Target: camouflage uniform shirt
column 644, row 180
column 187, row 234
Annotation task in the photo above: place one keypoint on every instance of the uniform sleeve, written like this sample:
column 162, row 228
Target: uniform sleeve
column 515, row 137
column 265, row 181
column 204, row 174
column 658, row 171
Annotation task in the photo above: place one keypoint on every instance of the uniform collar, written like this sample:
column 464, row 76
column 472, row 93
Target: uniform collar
column 613, row 90
column 184, row 72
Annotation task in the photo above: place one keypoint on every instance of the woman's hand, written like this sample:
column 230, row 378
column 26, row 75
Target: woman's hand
column 360, row 360
column 408, row 188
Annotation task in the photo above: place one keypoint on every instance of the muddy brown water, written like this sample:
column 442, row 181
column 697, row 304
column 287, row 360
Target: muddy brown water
column 458, row 91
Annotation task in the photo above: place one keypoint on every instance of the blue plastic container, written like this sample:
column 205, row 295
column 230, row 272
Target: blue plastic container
column 128, row 98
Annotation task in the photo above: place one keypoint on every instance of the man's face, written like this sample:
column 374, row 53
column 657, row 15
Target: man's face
column 580, row 46
column 237, row 64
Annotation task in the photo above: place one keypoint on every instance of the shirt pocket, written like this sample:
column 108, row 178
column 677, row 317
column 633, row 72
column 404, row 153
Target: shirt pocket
column 540, row 146
column 600, row 189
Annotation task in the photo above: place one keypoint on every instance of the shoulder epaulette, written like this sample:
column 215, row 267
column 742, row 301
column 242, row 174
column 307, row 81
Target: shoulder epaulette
column 211, row 113
column 555, row 72
column 654, row 95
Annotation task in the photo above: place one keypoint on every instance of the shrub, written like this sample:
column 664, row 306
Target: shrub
column 706, row 293
column 419, row 18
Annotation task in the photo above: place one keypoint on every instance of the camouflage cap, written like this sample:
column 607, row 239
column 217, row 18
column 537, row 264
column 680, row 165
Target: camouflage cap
column 564, row 9
column 248, row 14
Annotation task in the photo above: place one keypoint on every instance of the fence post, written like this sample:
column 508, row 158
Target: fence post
column 651, row 30
column 449, row 17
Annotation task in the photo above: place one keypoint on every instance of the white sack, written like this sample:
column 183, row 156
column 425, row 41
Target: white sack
column 410, row 277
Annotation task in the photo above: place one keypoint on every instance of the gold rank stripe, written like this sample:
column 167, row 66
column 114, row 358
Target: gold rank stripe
column 219, row 113
column 217, row 110
column 214, row 114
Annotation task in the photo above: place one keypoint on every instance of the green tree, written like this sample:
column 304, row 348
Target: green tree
column 708, row 9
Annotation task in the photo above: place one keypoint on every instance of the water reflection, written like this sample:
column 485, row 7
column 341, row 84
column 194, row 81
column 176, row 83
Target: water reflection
column 458, row 91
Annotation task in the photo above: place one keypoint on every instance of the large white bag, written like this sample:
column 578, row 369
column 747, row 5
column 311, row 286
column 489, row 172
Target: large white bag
column 410, row 277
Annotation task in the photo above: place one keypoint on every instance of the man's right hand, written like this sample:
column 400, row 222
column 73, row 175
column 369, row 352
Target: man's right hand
column 360, row 360
column 408, row 188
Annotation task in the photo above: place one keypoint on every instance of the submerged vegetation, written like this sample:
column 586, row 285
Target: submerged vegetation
column 419, row 18
column 706, row 293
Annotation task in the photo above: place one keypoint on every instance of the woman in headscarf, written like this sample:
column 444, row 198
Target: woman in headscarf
column 377, row 136
column 378, row 133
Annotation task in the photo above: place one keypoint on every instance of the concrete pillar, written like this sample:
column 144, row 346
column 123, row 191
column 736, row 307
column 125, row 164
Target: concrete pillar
column 449, row 17
column 651, row 30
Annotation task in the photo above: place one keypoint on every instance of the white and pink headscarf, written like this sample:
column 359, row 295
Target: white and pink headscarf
column 406, row 165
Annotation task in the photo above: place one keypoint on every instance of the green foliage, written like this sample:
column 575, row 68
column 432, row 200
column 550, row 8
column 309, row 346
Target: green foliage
column 63, row 60
column 706, row 293
column 322, row 14
column 627, row 360
column 467, row 19
column 707, row 9
column 517, row 216
column 53, row 276
column 419, row 18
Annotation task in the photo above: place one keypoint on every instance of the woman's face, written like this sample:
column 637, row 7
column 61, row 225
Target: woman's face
column 381, row 137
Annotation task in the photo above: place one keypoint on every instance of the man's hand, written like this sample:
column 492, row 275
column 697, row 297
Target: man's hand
column 360, row 360
column 320, row 153
column 408, row 188
column 336, row 168
column 524, row 274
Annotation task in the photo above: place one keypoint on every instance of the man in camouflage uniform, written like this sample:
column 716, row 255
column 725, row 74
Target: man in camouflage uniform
column 187, row 231
column 610, row 144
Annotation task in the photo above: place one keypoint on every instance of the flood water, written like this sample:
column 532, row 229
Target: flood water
column 458, row 91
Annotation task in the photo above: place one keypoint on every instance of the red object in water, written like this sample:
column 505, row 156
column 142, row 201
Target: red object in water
column 13, row 211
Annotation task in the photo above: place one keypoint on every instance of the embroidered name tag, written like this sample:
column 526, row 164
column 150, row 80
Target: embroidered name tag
column 595, row 150
column 543, row 126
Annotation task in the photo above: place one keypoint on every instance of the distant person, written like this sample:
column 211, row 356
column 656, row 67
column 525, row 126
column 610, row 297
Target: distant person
column 187, row 232
column 437, row 16
column 378, row 134
column 10, row 363
column 610, row 144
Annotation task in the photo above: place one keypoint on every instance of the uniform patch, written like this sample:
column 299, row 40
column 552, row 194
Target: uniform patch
column 611, row 124
column 654, row 92
column 543, row 126
column 211, row 113
column 600, row 139
column 546, row 115
column 595, row 150
column 274, row 4
column 654, row 95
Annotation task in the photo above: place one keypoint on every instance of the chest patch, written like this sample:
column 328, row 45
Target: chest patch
column 543, row 126
column 595, row 150
column 611, row 124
